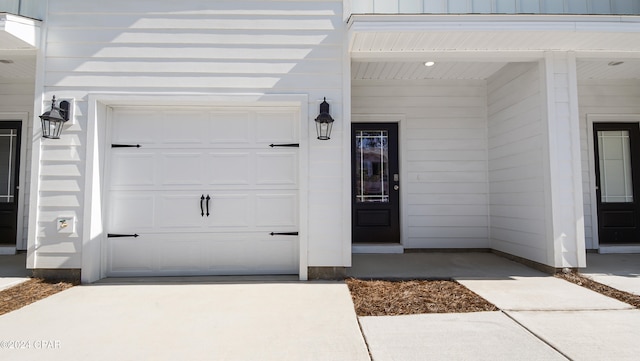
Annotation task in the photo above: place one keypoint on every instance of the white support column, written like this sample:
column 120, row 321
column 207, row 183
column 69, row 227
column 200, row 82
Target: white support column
column 565, row 215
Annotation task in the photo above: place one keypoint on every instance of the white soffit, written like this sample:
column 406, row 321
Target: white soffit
column 18, row 33
column 451, row 70
column 417, row 70
column 390, row 37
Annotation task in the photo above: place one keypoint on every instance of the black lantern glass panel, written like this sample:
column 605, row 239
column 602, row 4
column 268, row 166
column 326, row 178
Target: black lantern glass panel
column 324, row 121
column 54, row 119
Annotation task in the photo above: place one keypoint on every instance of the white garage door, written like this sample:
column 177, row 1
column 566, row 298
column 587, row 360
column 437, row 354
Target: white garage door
column 203, row 193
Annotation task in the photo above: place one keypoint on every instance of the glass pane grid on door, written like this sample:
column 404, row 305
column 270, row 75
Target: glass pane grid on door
column 615, row 166
column 8, row 149
column 372, row 166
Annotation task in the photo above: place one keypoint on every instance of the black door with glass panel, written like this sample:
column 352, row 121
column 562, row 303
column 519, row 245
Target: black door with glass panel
column 9, row 175
column 617, row 166
column 375, row 179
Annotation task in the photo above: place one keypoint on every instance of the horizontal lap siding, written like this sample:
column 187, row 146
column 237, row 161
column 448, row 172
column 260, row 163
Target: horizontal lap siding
column 191, row 46
column 601, row 97
column 516, row 176
column 444, row 157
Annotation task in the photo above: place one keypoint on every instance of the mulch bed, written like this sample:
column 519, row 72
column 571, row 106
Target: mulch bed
column 580, row 280
column 29, row 292
column 391, row 298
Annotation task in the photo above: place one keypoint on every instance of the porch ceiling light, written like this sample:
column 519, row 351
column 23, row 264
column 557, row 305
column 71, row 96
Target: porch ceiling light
column 324, row 121
column 53, row 119
column 429, row 63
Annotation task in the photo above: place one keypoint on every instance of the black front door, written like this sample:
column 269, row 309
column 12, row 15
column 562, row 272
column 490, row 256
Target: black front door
column 9, row 176
column 617, row 188
column 375, row 181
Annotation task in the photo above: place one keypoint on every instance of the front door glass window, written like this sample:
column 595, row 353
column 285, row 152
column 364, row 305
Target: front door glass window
column 614, row 152
column 8, row 151
column 372, row 166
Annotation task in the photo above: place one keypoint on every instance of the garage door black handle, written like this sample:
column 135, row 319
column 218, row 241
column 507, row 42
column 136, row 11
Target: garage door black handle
column 202, row 206
column 208, row 199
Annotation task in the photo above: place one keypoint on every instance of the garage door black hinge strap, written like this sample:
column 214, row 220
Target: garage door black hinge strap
column 290, row 145
column 125, row 145
column 284, row 233
column 113, row 235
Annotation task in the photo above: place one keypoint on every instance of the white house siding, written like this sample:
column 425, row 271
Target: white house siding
column 496, row 6
column 443, row 153
column 598, row 96
column 516, row 166
column 191, row 46
column 16, row 96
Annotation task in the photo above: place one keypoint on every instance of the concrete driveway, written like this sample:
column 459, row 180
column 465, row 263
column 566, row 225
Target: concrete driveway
column 172, row 321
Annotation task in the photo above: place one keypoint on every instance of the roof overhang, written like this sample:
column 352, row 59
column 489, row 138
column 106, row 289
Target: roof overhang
column 488, row 37
column 19, row 33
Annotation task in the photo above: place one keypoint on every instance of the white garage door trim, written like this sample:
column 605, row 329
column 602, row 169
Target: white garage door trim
column 93, row 223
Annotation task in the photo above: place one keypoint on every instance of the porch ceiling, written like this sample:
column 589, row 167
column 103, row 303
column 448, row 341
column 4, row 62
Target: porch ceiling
column 395, row 47
column 448, row 70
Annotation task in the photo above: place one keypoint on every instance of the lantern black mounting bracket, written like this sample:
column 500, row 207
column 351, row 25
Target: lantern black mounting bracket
column 54, row 119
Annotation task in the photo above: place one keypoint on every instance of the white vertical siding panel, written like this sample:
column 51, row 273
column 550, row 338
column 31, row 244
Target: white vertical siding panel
column 516, row 206
column 385, row 7
column 443, row 146
column 458, row 7
column 194, row 46
column 497, row 6
column 482, row 6
column 435, row 6
column 506, row 6
column 410, row 6
column 601, row 97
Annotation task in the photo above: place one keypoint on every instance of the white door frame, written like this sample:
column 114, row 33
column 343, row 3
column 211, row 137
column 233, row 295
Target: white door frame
column 21, row 243
column 603, row 118
column 98, row 126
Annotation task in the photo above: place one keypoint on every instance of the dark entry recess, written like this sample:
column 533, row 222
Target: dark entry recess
column 375, row 183
column 9, row 180
column 617, row 166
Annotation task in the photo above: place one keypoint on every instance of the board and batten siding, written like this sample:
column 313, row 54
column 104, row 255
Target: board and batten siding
column 16, row 96
column 443, row 154
column 600, row 7
column 516, row 165
column 608, row 97
column 191, row 47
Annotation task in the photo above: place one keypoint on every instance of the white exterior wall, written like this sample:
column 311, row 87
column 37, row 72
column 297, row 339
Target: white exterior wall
column 191, row 47
column 16, row 97
column 516, row 163
column 443, row 155
column 496, row 6
column 606, row 97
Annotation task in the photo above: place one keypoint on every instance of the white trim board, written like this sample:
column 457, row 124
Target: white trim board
column 21, row 243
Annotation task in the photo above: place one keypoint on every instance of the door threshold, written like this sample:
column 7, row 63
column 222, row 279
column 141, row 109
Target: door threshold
column 7, row 250
column 619, row 248
column 393, row 248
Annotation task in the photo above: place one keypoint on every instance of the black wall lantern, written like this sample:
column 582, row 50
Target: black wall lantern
column 324, row 121
column 53, row 120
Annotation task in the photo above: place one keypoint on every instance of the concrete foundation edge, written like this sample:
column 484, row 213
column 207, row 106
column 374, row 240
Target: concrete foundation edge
column 327, row 273
column 70, row 275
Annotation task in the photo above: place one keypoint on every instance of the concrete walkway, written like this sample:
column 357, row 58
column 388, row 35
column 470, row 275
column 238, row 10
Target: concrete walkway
column 541, row 317
column 620, row 271
column 13, row 270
